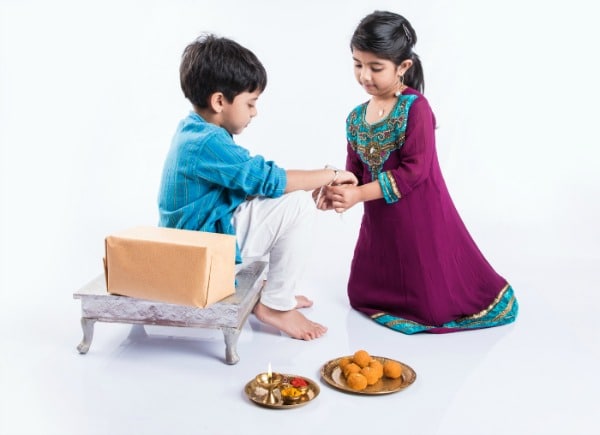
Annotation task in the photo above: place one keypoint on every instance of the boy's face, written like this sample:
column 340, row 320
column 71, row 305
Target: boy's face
column 236, row 115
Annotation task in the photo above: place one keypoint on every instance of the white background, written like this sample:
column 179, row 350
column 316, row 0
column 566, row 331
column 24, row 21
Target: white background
column 90, row 97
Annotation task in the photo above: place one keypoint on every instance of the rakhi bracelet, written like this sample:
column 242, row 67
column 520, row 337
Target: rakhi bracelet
column 335, row 175
column 336, row 172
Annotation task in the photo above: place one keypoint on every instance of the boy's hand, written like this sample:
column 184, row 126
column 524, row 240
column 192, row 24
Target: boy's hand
column 345, row 177
column 320, row 200
column 315, row 194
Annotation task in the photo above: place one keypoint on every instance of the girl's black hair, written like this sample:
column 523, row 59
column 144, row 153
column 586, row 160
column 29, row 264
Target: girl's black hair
column 390, row 36
column 213, row 64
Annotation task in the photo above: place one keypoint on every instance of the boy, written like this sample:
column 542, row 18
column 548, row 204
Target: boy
column 209, row 183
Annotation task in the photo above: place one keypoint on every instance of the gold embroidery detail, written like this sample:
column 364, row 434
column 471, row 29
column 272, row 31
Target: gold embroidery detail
column 504, row 312
column 399, row 321
column 374, row 148
column 488, row 309
column 393, row 184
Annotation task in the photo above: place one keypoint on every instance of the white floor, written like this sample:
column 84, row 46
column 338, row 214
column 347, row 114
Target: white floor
column 86, row 117
column 537, row 376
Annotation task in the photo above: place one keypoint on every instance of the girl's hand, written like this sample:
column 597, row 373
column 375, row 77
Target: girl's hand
column 342, row 177
column 342, row 197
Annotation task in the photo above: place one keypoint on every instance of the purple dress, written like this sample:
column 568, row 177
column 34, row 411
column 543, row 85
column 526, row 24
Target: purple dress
column 415, row 266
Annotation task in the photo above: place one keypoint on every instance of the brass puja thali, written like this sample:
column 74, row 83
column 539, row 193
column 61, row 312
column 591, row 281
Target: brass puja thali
column 290, row 391
column 333, row 375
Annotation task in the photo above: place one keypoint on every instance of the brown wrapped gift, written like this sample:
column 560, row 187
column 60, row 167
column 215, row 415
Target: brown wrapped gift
column 170, row 265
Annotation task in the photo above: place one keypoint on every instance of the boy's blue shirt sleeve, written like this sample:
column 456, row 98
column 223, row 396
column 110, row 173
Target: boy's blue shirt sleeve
column 206, row 176
column 224, row 163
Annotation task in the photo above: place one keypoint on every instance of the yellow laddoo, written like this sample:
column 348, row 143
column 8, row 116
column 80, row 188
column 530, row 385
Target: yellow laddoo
column 392, row 369
column 362, row 358
column 357, row 381
column 376, row 365
column 350, row 368
column 344, row 362
column 371, row 374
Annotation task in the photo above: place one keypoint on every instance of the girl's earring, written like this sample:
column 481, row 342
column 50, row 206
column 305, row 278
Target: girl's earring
column 401, row 85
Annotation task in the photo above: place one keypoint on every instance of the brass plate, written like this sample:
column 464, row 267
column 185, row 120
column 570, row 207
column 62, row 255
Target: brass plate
column 258, row 394
column 332, row 374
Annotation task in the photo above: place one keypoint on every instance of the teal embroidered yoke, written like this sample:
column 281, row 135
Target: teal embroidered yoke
column 375, row 142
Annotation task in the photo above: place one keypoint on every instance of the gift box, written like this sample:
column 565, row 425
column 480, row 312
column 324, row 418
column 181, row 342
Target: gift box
column 177, row 266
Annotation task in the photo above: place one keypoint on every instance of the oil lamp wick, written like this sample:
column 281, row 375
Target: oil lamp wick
column 269, row 374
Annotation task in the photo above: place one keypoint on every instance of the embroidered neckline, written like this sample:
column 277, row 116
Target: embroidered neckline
column 375, row 142
column 393, row 110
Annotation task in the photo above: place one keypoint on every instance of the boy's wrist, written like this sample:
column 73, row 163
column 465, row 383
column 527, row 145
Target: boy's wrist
column 335, row 175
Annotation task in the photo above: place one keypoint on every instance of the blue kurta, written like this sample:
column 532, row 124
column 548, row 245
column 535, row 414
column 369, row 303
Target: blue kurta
column 206, row 176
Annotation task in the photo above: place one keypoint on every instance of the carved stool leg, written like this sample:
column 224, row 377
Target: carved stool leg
column 231, row 338
column 88, row 333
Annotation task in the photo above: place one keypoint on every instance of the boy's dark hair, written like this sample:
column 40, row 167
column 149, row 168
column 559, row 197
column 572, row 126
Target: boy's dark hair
column 213, row 64
column 390, row 36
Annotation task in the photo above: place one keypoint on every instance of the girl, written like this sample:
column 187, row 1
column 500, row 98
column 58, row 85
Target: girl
column 415, row 266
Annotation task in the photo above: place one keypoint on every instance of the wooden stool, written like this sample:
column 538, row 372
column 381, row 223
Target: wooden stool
column 229, row 315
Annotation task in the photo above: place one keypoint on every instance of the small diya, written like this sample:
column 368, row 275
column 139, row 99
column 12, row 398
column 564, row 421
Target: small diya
column 269, row 381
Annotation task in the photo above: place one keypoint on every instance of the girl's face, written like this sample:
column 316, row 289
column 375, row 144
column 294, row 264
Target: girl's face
column 237, row 115
column 379, row 77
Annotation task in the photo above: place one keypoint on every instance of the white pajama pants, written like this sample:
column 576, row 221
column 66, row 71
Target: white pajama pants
column 279, row 230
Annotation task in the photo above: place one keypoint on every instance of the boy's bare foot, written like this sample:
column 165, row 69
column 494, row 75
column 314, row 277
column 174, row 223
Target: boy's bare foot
column 292, row 322
column 303, row 302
